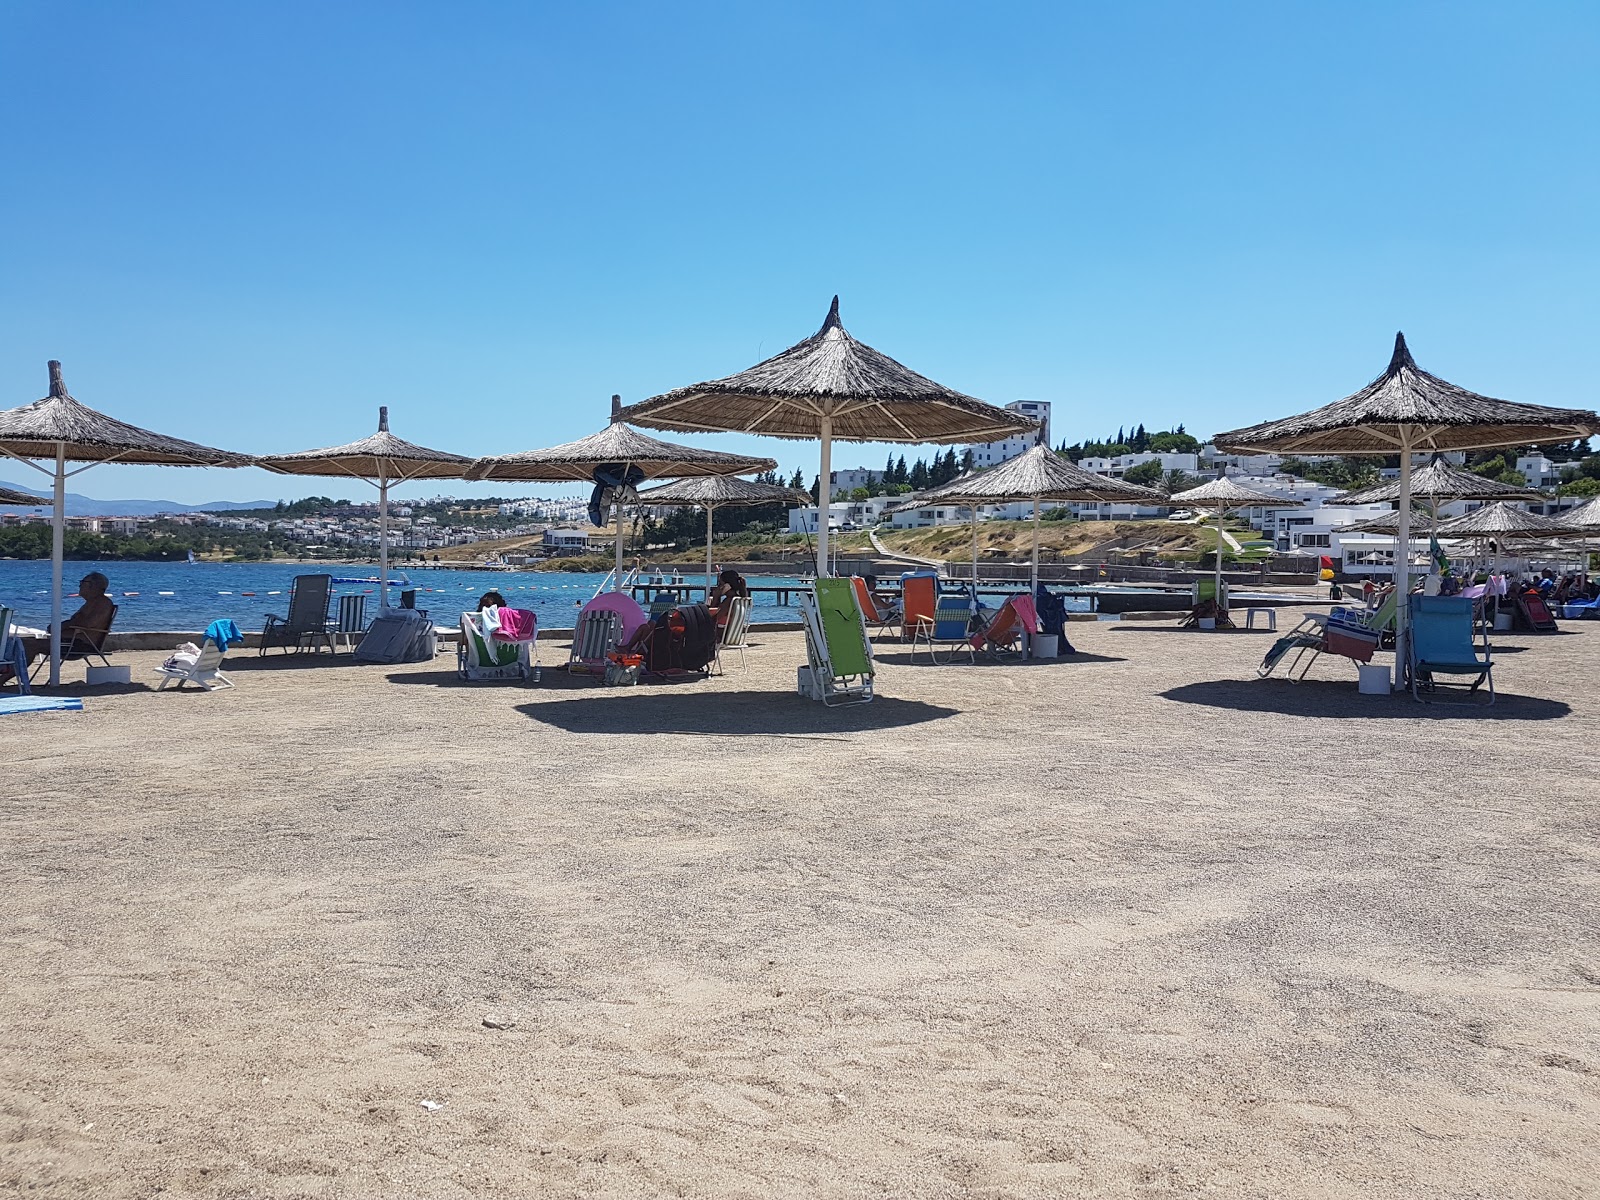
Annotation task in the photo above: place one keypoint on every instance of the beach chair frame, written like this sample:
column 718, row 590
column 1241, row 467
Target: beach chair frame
column 206, row 672
column 598, row 633
column 835, row 689
column 480, row 658
column 82, row 645
column 307, row 621
column 735, row 633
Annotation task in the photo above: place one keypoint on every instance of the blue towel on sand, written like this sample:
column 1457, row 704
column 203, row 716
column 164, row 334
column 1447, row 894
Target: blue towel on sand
column 23, row 704
column 224, row 633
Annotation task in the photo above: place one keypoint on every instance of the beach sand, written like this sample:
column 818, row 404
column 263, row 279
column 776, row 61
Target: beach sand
column 1128, row 925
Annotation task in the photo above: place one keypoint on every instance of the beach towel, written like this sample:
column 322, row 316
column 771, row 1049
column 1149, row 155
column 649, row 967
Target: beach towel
column 224, row 633
column 516, row 625
column 25, row 704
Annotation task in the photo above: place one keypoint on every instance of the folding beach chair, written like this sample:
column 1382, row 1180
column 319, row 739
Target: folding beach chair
column 1002, row 638
column 1533, row 613
column 352, row 619
column 307, row 621
column 840, row 654
column 919, row 596
column 480, row 656
column 597, row 634
column 83, row 644
column 1441, row 643
column 736, row 631
column 949, row 631
column 13, row 659
column 880, row 619
column 1353, row 633
column 204, row 672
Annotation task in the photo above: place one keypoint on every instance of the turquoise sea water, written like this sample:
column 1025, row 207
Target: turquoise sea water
column 183, row 598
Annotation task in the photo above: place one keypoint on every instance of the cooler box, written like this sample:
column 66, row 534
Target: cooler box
column 1351, row 641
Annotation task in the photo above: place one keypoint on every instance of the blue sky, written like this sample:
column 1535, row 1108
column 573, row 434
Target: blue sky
column 251, row 225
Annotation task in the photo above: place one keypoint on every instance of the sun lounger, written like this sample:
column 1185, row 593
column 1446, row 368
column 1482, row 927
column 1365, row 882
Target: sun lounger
column 736, row 630
column 1441, row 643
column 204, row 671
column 841, row 669
column 1352, row 633
column 307, row 622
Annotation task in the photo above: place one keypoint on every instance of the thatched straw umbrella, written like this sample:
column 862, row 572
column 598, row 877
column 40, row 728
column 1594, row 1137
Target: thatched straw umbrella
column 1499, row 522
column 712, row 492
column 1439, row 481
column 1390, row 523
column 60, row 428
column 1225, row 496
column 379, row 460
column 830, row 387
column 1404, row 410
column 10, row 496
column 1039, row 474
column 615, row 451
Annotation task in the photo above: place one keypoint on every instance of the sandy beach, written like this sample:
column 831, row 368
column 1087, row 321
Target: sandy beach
column 1133, row 924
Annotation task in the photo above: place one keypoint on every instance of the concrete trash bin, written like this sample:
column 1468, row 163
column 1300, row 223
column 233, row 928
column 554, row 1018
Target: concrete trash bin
column 1375, row 679
column 1046, row 645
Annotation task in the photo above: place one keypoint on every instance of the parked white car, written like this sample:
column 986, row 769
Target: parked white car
column 1183, row 514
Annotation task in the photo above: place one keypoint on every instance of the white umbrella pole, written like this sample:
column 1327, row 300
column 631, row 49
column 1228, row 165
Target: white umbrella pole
column 1034, row 591
column 824, row 492
column 974, row 549
column 1402, row 560
column 616, row 578
column 383, row 541
column 58, row 551
column 710, row 513
column 1216, row 596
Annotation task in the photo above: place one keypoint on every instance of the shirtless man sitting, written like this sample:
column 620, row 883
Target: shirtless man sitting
column 92, row 620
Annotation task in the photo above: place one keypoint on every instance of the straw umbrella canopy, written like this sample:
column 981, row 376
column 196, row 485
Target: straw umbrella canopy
column 59, row 429
column 1499, row 520
column 1403, row 410
column 616, row 450
column 1585, row 516
column 12, row 496
column 1390, row 523
column 830, row 386
column 1037, row 475
column 1440, row 481
column 379, row 460
column 712, row 492
column 1224, row 495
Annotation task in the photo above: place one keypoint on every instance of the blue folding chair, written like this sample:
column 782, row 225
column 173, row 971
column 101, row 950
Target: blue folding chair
column 1440, row 643
column 949, row 630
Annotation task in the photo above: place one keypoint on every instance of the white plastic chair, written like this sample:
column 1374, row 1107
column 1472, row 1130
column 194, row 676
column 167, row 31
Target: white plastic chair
column 205, row 671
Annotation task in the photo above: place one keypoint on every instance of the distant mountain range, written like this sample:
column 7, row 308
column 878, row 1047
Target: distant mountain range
column 86, row 506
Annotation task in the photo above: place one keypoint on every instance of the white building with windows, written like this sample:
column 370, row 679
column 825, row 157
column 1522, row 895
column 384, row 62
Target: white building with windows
column 992, row 454
column 845, row 482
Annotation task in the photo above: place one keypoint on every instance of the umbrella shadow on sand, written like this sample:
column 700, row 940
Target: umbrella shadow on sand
column 1319, row 698
column 730, row 714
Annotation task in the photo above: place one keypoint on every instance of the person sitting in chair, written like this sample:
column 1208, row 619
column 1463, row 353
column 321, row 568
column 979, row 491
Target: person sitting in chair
column 488, row 598
column 89, row 624
column 730, row 585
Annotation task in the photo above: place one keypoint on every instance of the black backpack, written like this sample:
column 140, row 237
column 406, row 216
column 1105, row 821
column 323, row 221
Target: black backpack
column 685, row 639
